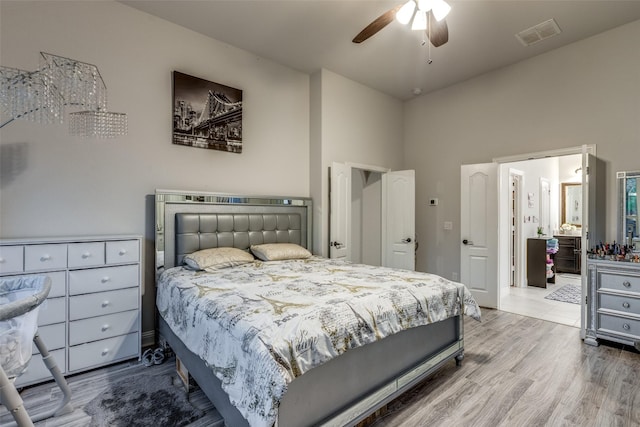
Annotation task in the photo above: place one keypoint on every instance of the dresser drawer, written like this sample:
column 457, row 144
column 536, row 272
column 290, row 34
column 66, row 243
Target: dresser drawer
column 102, row 279
column 122, row 251
column 619, row 282
column 88, row 254
column 37, row 371
column 11, row 259
column 619, row 303
column 58, row 282
column 52, row 335
column 101, row 303
column 104, row 351
column 96, row 328
column 45, row 257
column 619, row 325
column 52, row 310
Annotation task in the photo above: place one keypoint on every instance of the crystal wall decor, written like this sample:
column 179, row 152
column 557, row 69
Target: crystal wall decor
column 41, row 96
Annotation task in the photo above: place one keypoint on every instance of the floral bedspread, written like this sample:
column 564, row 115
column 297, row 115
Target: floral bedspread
column 260, row 325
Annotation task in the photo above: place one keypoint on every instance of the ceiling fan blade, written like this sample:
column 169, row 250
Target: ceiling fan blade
column 379, row 23
column 437, row 31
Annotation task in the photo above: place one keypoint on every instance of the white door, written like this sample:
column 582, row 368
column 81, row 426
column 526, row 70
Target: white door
column 340, row 211
column 593, row 215
column 479, row 232
column 398, row 219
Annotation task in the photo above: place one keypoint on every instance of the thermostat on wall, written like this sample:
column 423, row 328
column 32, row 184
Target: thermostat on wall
column 433, row 202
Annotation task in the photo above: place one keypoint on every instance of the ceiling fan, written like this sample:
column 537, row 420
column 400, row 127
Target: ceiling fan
column 427, row 15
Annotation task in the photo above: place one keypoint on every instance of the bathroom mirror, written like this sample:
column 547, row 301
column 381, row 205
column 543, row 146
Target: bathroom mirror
column 572, row 204
column 628, row 208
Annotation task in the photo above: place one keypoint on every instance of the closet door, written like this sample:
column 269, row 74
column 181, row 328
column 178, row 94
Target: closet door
column 340, row 213
column 398, row 219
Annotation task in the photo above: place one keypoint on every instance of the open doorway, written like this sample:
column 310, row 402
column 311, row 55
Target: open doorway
column 532, row 195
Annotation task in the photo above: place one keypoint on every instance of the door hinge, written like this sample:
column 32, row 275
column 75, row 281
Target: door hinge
column 586, row 300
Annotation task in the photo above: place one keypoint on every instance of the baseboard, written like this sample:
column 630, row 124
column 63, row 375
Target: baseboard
column 149, row 339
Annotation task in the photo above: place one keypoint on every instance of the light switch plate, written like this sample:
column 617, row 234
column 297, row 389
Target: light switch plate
column 448, row 225
column 433, row 202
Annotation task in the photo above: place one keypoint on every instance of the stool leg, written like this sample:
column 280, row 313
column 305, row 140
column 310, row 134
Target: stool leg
column 13, row 402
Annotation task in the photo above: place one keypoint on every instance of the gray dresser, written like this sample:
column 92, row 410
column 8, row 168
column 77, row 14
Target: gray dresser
column 613, row 302
column 92, row 315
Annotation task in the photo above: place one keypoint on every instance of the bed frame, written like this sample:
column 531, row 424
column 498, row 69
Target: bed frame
column 341, row 392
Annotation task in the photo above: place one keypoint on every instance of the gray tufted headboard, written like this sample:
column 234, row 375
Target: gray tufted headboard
column 190, row 221
column 195, row 231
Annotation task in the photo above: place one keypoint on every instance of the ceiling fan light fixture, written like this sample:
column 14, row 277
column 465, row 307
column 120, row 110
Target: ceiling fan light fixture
column 406, row 12
column 440, row 9
column 425, row 5
column 419, row 21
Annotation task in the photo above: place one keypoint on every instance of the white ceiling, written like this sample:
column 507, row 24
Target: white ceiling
column 311, row 34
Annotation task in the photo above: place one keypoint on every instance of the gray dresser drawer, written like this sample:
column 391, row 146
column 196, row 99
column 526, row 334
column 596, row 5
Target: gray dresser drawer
column 103, row 351
column 52, row 335
column 619, row 282
column 53, row 310
column 101, row 327
column 102, row 279
column 11, row 259
column 88, row 254
column 45, row 257
column 619, row 325
column 37, row 371
column 101, row 303
column 122, row 251
column 621, row 303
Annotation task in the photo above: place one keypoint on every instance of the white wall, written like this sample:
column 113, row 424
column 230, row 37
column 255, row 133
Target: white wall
column 584, row 93
column 53, row 184
column 350, row 123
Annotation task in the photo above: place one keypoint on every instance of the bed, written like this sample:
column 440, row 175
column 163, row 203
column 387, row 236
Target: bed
column 342, row 385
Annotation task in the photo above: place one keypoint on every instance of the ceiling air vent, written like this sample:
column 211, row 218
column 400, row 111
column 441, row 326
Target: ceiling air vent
column 537, row 33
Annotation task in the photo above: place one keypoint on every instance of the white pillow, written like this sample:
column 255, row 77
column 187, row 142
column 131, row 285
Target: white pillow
column 216, row 258
column 279, row 251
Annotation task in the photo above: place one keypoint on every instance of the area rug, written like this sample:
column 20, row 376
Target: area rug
column 140, row 401
column 568, row 293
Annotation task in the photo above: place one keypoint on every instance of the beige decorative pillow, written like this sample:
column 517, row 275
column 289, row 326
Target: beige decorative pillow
column 279, row 251
column 216, row 258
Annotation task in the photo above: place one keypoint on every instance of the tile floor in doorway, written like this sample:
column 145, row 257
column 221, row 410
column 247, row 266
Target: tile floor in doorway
column 530, row 301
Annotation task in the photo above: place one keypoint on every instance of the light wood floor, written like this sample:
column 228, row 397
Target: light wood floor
column 517, row 371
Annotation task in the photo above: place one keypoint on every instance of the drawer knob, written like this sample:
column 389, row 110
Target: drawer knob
column 105, row 279
column 626, row 284
column 1, row 260
column 45, row 257
column 105, row 303
column 86, row 255
column 105, row 351
column 625, row 304
column 122, row 252
column 626, row 326
column 104, row 328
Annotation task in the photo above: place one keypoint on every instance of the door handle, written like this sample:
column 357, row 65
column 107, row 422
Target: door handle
column 467, row 242
column 336, row 245
column 407, row 240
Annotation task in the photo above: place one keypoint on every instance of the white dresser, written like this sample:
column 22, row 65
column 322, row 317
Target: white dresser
column 92, row 316
column 613, row 302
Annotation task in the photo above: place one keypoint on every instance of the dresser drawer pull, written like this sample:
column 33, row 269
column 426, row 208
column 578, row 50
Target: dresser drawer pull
column 122, row 252
column 626, row 326
column 46, row 257
column 105, row 279
column 626, row 304
column 105, row 351
column 105, row 328
column 105, row 303
column 86, row 255
column 626, row 284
